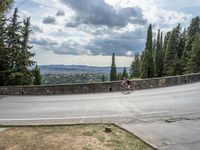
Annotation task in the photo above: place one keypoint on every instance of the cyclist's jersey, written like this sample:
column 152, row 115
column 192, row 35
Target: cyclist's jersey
column 128, row 82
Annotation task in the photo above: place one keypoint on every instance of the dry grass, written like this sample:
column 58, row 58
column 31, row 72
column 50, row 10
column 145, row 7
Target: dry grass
column 79, row 137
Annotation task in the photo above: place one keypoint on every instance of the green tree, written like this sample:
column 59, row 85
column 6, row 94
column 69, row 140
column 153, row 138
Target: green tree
column 166, row 39
column 193, row 29
column 14, row 51
column 24, row 57
column 103, row 78
column 125, row 73
column 159, row 56
column 37, row 76
column 171, row 59
column 113, row 70
column 5, row 5
column 119, row 76
column 3, row 52
column 135, row 66
column 195, row 55
column 154, row 49
column 147, row 66
column 13, row 46
column 180, row 50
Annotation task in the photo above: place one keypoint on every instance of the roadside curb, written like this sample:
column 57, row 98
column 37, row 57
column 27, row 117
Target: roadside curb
column 143, row 140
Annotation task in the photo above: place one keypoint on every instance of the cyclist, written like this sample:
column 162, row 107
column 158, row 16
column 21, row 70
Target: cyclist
column 126, row 83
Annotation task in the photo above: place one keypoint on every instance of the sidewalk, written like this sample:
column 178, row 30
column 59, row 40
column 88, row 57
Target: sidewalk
column 180, row 135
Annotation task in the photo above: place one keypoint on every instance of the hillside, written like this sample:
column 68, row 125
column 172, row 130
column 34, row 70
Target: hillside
column 71, row 69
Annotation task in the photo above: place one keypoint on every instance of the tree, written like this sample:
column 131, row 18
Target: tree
column 195, row 55
column 113, row 71
column 149, row 38
column 24, row 58
column 135, row 66
column 37, row 76
column 154, row 49
column 3, row 52
column 159, row 56
column 119, row 76
column 166, row 39
column 170, row 61
column 103, row 78
column 181, row 62
column 15, row 56
column 193, row 29
column 125, row 73
column 147, row 66
column 5, row 5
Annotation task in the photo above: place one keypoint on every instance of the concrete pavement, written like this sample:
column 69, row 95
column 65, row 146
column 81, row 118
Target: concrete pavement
column 143, row 112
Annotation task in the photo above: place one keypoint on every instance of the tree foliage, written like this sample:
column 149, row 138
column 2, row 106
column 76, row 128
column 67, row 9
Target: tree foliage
column 178, row 54
column 113, row 70
column 4, row 5
column 15, row 55
column 147, row 66
column 135, row 66
column 125, row 73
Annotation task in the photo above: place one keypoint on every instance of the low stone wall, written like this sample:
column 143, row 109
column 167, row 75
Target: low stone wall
column 98, row 87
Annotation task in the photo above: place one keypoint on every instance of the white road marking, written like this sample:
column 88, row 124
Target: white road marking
column 67, row 118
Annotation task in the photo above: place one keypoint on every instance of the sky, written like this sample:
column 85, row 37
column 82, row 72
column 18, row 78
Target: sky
column 87, row 32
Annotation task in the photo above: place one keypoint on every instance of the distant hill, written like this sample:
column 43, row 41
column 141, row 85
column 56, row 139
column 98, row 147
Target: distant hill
column 69, row 69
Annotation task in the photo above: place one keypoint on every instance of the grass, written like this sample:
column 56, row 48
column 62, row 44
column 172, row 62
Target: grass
column 75, row 137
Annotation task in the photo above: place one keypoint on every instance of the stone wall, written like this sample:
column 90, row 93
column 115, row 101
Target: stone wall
column 98, row 87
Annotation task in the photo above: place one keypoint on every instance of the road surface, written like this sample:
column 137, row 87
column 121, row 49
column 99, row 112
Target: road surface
column 143, row 112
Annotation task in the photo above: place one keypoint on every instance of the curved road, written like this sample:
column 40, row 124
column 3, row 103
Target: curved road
column 143, row 111
column 177, row 101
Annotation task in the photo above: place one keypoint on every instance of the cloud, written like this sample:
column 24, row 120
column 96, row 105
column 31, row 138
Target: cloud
column 49, row 20
column 45, row 43
column 36, row 28
column 60, row 12
column 98, row 13
column 40, row 42
column 122, row 44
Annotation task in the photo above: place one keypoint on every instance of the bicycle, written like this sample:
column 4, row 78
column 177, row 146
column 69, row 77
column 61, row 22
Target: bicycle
column 127, row 87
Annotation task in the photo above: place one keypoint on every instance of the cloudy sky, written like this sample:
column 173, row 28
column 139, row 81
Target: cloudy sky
column 87, row 32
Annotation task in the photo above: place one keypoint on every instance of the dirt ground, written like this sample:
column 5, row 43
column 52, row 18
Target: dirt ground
column 75, row 137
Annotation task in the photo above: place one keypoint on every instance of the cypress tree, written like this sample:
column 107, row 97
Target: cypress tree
column 195, row 55
column 193, row 29
column 3, row 52
column 149, row 38
column 154, row 49
column 166, row 39
column 159, row 56
column 170, row 61
column 135, row 66
column 113, row 71
column 147, row 67
column 103, row 78
column 144, row 72
column 119, row 76
column 125, row 73
column 181, row 62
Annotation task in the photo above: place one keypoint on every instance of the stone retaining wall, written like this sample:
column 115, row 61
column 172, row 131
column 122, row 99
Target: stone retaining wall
column 98, row 87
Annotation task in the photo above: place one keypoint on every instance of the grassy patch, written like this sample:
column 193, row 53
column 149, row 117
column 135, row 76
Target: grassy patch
column 76, row 137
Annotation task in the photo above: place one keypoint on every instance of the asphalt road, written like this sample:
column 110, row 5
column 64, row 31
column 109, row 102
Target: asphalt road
column 143, row 112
